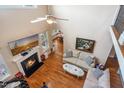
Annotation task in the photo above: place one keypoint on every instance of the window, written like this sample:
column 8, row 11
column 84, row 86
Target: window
column 4, row 73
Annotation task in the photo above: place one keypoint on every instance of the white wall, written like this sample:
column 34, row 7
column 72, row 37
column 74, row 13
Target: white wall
column 15, row 24
column 90, row 22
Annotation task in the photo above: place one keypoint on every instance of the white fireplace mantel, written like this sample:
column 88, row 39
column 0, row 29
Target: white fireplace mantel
column 19, row 58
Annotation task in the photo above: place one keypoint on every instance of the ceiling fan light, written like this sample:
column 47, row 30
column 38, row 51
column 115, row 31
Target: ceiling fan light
column 49, row 21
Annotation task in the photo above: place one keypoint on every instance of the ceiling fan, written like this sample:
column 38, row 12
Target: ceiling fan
column 48, row 18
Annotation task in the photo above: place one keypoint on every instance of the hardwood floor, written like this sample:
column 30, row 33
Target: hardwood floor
column 53, row 73
column 113, row 66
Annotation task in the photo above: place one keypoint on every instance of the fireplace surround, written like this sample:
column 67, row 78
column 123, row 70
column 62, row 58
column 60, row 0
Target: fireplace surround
column 31, row 64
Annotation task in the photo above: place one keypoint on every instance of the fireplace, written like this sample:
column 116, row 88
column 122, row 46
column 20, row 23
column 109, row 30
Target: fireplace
column 31, row 64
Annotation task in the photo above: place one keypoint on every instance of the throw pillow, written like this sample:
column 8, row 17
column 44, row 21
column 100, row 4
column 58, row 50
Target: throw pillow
column 88, row 60
column 97, row 73
column 83, row 55
column 68, row 54
column 76, row 53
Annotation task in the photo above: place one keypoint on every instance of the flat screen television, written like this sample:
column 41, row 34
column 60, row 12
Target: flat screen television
column 21, row 45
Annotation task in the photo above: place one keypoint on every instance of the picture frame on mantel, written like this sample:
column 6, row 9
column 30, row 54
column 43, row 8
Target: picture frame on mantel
column 86, row 45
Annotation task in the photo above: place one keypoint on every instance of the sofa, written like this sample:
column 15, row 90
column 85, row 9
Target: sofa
column 102, row 82
column 79, row 58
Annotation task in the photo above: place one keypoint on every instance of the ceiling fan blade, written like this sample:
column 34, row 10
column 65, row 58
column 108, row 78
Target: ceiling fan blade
column 62, row 19
column 42, row 18
column 57, row 18
column 38, row 20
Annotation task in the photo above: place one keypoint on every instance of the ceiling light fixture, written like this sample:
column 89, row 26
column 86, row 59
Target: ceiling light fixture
column 49, row 21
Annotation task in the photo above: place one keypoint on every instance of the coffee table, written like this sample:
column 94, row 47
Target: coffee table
column 72, row 69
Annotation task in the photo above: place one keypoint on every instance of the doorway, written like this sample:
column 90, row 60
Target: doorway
column 57, row 42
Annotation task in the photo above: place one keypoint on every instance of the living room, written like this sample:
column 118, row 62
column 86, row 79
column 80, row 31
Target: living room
column 86, row 22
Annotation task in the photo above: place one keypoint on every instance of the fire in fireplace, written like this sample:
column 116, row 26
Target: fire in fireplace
column 31, row 64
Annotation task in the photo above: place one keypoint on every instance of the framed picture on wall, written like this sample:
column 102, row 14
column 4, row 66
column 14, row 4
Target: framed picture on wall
column 86, row 45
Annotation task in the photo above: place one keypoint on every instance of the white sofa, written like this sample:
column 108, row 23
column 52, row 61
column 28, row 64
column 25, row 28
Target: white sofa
column 78, row 59
column 102, row 82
